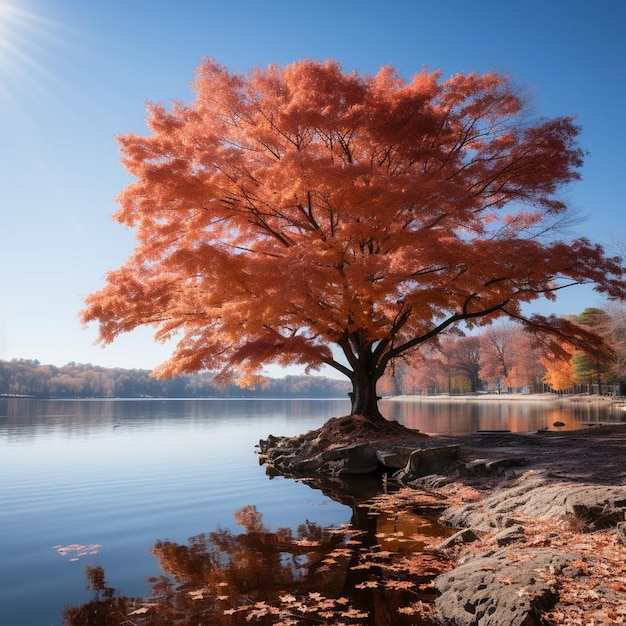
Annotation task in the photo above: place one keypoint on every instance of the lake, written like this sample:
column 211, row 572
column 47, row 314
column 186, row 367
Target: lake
column 98, row 482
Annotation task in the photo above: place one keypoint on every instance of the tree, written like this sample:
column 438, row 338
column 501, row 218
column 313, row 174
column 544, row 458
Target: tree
column 589, row 367
column 461, row 359
column 559, row 372
column 303, row 215
column 450, row 365
column 508, row 355
column 616, row 322
column 428, row 373
column 495, row 357
column 525, row 367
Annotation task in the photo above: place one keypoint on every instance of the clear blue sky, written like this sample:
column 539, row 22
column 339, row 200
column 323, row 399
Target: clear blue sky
column 76, row 73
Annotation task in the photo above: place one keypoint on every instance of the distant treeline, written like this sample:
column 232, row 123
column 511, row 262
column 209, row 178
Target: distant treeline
column 22, row 377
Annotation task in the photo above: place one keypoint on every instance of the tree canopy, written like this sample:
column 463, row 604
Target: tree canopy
column 307, row 215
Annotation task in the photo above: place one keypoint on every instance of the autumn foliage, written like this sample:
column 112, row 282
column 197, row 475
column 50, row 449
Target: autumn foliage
column 303, row 215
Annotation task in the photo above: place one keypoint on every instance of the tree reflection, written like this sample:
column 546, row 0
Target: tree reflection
column 106, row 608
column 314, row 575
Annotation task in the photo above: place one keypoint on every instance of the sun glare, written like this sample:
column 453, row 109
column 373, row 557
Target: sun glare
column 15, row 24
column 25, row 38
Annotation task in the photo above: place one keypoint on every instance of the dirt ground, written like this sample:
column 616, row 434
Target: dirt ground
column 595, row 454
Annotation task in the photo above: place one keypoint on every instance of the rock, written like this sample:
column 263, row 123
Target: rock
column 396, row 458
column 509, row 535
column 495, row 467
column 425, row 461
column 537, row 496
column 344, row 446
column 477, row 467
column 495, row 591
column 350, row 461
column 597, row 507
column 500, row 466
column 431, row 460
column 462, row 536
column 352, row 446
column 431, row 481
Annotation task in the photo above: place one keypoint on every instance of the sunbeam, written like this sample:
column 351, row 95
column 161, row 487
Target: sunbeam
column 28, row 42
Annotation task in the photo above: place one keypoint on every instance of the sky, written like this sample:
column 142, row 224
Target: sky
column 74, row 74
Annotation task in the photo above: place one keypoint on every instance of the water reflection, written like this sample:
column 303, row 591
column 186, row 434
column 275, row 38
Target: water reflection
column 462, row 416
column 22, row 418
column 29, row 418
column 375, row 571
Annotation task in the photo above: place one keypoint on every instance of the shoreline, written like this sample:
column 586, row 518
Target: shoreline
column 551, row 398
column 537, row 518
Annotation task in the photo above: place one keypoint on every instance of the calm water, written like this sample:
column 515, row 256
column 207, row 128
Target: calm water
column 117, row 475
column 123, row 474
column 459, row 416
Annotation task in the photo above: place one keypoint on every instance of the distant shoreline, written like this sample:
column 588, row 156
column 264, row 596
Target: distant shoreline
column 511, row 397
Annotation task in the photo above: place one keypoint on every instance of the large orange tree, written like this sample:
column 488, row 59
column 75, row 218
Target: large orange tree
column 304, row 215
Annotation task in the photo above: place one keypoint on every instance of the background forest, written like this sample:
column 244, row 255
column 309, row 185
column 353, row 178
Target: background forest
column 23, row 377
column 505, row 358
column 500, row 359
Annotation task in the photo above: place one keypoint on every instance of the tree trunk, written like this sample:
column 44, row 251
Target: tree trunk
column 364, row 398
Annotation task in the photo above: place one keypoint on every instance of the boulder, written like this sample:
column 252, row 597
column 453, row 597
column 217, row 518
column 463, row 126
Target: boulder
column 359, row 459
column 493, row 590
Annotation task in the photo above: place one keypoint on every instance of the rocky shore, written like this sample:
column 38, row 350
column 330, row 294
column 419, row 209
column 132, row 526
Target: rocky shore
column 540, row 517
